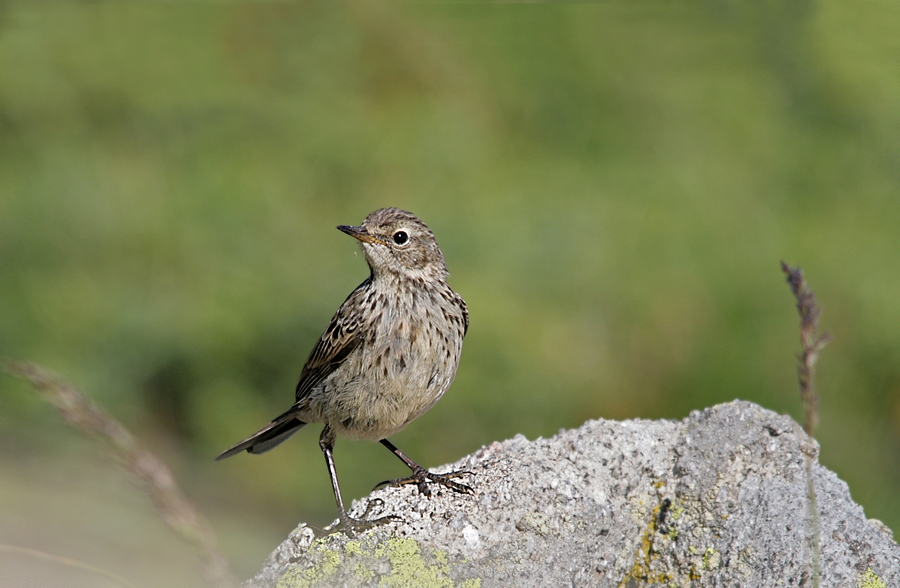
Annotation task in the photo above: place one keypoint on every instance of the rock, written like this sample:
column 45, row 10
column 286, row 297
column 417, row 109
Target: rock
column 718, row 499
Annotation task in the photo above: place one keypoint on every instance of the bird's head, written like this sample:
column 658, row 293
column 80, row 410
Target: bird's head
column 397, row 242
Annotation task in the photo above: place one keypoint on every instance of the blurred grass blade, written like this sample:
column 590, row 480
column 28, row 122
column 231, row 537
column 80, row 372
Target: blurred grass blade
column 65, row 561
column 154, row 477
column 811, row 342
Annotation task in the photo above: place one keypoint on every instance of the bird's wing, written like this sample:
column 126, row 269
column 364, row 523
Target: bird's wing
column 465, row 312
column 342, row 336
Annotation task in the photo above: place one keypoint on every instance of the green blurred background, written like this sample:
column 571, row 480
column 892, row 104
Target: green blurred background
column 613, row 186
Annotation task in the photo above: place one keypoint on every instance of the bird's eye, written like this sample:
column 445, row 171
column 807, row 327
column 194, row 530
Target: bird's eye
column 400, row 237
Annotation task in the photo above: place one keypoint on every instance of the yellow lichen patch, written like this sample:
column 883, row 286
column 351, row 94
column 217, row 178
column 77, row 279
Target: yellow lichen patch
column 642, row 569
column 870, row 580
column 441, row 557
column 307, row 577
column 408, row 566
column 711, row 559
column 363, row 573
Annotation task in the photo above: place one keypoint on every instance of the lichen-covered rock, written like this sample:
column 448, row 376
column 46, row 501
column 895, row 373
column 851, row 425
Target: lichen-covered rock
column 719, row 499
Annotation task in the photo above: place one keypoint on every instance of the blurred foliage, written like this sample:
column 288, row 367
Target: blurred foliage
column 613, row 186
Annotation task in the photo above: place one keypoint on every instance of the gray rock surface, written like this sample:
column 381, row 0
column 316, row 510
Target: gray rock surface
column 718, row 499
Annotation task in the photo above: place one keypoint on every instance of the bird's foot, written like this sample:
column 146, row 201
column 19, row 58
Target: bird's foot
column 352, row 527
column 421, row 477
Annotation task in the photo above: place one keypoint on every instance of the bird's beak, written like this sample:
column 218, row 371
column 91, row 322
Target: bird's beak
column 360, row 233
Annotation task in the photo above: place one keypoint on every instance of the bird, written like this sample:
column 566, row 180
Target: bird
column 388, row 355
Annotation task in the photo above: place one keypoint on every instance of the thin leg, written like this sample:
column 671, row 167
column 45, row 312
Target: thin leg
column 326, row 442
column 350, row 525
column 420, row 476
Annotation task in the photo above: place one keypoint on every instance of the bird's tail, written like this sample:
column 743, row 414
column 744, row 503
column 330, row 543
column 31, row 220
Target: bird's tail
column 268, row 437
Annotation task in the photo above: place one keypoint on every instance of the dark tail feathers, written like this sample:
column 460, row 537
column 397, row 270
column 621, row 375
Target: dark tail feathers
column 268, row 437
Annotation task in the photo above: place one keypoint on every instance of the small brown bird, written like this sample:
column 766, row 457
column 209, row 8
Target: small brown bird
column 388, row 355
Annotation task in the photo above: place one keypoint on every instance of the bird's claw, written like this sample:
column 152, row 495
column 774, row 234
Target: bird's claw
column 352, row 527
column 421, row 477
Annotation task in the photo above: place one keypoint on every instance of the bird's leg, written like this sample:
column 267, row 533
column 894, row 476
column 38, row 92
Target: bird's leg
column 420, row 476
column 350, row 525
